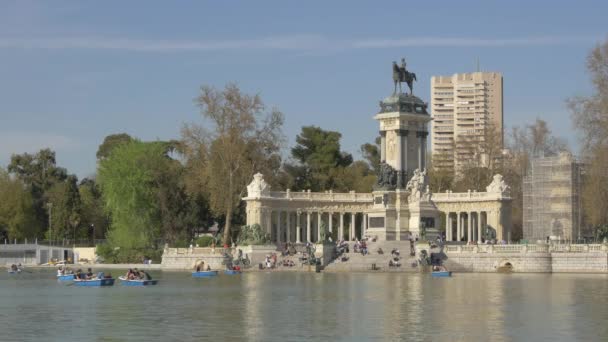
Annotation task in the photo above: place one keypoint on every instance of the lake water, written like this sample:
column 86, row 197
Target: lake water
column 309, row 307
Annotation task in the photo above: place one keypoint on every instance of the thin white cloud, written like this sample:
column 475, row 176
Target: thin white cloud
column 473, row 42
column 14, row 142
column 295, row 42
column 300, row 42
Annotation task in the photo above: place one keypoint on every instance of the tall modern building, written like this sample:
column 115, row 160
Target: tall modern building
column 552, row 199
column 463, row 106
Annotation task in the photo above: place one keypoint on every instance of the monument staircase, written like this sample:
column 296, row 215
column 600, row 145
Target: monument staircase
column 356, row 262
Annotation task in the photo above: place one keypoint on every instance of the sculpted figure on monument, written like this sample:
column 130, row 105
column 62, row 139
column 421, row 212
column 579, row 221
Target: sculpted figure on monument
column 387, row 177
column 498, row 185
column 258, row 187
column 418, row 187
column 400, row 74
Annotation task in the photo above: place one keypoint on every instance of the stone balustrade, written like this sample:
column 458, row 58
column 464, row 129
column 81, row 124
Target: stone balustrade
column 323, row 196
column 449, row 196
column 504, row 249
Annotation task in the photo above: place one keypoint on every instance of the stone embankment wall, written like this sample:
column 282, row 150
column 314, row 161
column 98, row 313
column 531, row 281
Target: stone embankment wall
column 187, row 258
column 528, row 258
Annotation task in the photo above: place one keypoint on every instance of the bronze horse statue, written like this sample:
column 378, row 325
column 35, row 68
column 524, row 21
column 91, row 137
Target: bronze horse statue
column 400, row 74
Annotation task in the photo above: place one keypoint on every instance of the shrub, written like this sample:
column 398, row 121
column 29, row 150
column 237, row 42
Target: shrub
column 205, row 241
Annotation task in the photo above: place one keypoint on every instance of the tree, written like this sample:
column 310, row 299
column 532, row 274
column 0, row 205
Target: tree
column 481, row 155
column 39, row 173
column 590, row 116
column 92, row 214
column 127, row 182
column 371, row 153
column 244, row 139
column 17, row 212
column 110, row 143
column 524, row 143
column 317, row 160
column 66, row 209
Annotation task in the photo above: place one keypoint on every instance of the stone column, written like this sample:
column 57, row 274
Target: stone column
column 424, row 150
column 364, row 229
column 279, row 227
column 341, row 228
column 382, row 146
column 319, row 221
column 458, row 226
column 268, row 219
column 421, row 149
column 404, row 153
column 479, row 231
column 448, row 231
column 352, row 226
column 308, row 226
column 331, row 223
column 469, row 226
column 288, row 226
column 298, row 227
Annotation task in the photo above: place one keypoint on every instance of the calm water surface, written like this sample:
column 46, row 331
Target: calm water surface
column 309, row 307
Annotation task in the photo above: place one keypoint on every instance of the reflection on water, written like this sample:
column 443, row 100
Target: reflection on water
column 309, row 307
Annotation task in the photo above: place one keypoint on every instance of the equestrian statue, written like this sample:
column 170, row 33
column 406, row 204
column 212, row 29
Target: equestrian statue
column 400, row 74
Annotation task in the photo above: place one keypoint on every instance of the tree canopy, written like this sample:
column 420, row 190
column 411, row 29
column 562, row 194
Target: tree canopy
column 590, row 116
column 243, row 139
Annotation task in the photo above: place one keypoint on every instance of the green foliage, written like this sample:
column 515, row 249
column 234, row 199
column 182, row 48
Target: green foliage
column 244, row 140
column 39, row 173
column 129, row 190
column 65, row 214
column 110, row 143
column 17, row 212
column 371, row 153
column 601, row 232
column 116, row 255
column 319, row 161
column 91, row 210
column 205, row 241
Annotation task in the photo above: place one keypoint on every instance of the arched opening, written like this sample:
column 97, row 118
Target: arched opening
column 505, row 267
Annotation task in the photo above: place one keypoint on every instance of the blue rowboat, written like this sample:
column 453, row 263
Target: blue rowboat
column 14, row 272
column 66, row 277
column 232, row 272
column 136, row 282
column 204, row 274
column 94, row 282
column 441, row 274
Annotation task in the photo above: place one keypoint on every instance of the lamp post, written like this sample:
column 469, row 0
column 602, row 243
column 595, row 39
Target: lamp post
column 93, row 228
column 50, row 206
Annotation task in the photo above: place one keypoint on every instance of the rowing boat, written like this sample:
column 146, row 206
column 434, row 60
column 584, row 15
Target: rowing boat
column 136, row 282
column 204, row 274
column 66, row 277
column 94, row 282
column 441, row 274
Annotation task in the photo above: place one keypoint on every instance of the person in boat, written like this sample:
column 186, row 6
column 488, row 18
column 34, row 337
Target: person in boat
column 14, row 268
column 60, row 271
column 89, row 274
column 200, row 266
column 146, row 275
column 208, row 267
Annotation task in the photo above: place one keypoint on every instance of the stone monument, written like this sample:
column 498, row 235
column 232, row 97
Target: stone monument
column 402, row 200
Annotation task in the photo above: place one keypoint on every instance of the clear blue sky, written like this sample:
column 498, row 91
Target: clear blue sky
column 72, row 72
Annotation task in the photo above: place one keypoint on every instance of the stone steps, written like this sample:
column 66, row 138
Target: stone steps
column 358, row 262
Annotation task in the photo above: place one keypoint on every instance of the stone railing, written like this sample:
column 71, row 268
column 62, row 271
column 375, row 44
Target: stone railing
column 499, row 249
column 323, row 196
column 469, row 196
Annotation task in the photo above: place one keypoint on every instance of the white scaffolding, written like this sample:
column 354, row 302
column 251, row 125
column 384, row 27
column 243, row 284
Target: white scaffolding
column 552, row 199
